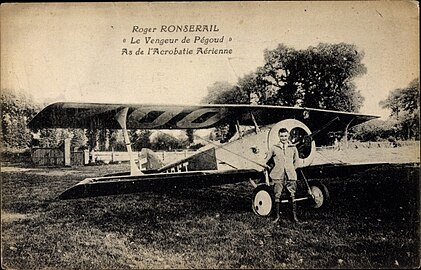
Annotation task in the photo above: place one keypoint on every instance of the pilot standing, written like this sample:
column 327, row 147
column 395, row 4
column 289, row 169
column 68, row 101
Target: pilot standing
column 283, row 174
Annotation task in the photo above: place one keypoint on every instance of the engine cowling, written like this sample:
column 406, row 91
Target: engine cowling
column 299, row 135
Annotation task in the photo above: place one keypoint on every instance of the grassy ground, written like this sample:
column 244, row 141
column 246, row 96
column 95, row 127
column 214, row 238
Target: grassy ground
column 372, row 221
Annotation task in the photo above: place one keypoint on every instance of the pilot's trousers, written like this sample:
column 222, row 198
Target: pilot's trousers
column 278, row 186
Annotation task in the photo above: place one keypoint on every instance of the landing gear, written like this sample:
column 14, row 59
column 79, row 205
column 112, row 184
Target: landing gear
column 263, row 200
column 319, row 196
column 263, row 197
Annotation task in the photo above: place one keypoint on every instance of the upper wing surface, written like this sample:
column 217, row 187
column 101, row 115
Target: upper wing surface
column 144, row 116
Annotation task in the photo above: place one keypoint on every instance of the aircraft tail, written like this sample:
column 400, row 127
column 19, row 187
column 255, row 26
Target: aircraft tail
column 149, row 160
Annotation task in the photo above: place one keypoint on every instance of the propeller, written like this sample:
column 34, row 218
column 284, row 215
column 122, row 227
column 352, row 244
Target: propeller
column 302, row 140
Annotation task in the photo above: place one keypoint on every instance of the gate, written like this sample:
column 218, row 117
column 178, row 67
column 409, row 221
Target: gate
column 77, row 158
column 47, row 156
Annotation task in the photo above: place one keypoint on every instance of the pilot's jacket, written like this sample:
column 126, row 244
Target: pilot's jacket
column 285, row 157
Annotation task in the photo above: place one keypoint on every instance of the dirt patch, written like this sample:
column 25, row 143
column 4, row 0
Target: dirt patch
column 10, row 217
column 14, row 169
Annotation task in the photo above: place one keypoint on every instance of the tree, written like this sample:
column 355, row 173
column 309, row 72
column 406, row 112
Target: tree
column 190, row 136
column 164, row 141
column 50, row 137
column 220, row 93
column 140, row 139
column 17, row 109
column 103, row 139
column 317, row 77
column 374, row 130
column 92, row 135
column 79, row 139
column 117, row 140
column 47, row 137
column 404, row 105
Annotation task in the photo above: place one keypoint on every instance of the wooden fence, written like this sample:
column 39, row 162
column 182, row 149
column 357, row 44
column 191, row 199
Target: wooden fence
column 47, row 156
column 112, row 157
column 55, row 157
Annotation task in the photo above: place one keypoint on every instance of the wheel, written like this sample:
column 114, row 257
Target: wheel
column 262, row 200
column 320, row 194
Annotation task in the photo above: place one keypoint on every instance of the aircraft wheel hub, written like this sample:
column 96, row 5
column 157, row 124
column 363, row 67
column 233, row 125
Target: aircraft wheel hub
column 262, row 201
column 318, row 196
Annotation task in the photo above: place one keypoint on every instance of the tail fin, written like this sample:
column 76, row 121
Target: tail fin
column 149, row 160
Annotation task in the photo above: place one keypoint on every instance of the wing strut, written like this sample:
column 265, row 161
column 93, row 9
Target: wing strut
column 237, row 126
column 346, row 133
column 256, row 127
column 121, row 118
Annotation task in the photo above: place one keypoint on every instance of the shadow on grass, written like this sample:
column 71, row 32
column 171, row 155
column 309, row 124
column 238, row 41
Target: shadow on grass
column 151, row 208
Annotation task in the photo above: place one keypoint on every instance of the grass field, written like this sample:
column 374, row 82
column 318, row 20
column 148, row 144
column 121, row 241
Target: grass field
column 372, row 221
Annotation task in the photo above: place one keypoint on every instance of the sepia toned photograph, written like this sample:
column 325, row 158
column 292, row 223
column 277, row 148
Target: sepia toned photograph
column 210, row 135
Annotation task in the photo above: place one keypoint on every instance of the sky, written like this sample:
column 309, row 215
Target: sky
column 74, row 52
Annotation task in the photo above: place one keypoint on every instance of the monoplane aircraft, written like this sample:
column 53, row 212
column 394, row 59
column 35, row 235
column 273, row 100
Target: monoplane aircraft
column 238, row 157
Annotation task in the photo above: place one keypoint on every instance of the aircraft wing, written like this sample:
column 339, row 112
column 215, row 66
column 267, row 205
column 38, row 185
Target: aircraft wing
column 142, row 116
column 124, row 184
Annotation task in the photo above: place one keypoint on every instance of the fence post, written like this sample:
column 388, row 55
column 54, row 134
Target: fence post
column 67, row 153
column 85, row 157
column 92, row 160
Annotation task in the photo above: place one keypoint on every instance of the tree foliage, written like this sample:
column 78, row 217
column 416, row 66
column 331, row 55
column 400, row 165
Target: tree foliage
column 164, row 141
column 190, row 136
column 317, row 77
column 79, row 139
column 92, row 135
column 222, row 93
column 17, row 109
column 226, row 93
column 404, row 106
column 116, row 140
column 103, row 139
column 49, row 137
column 374, row 130
column 140, row 139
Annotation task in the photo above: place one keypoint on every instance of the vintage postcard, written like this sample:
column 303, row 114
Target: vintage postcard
column 246, row 134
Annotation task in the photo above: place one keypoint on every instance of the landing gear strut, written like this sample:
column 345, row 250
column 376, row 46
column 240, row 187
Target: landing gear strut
column 319, row 194
column 263, row 197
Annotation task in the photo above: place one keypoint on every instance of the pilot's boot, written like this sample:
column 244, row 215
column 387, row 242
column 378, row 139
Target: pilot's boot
column 277, row 215
column 294, row 209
